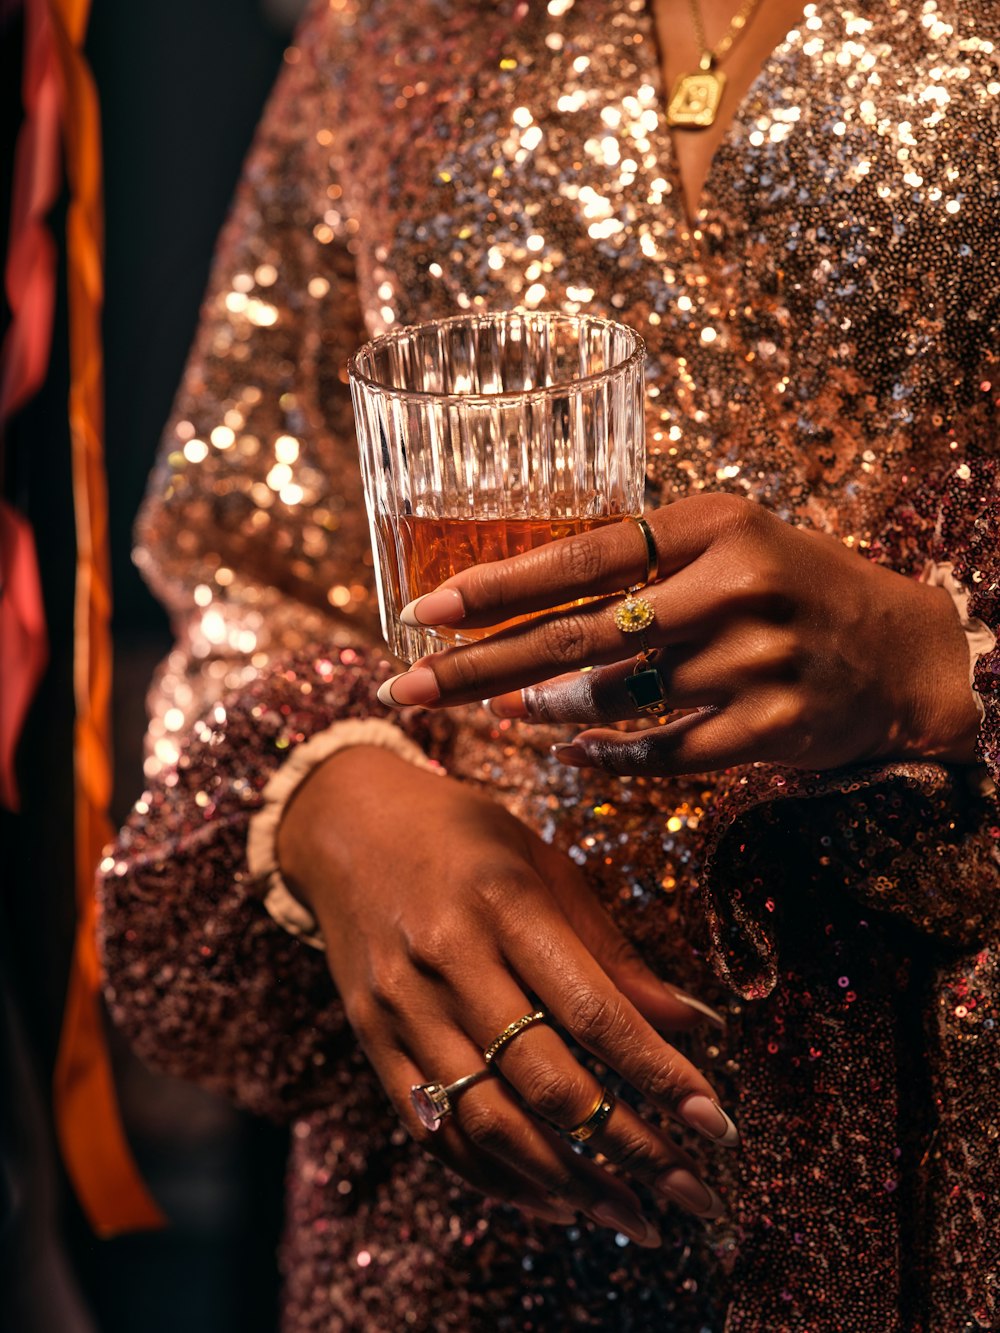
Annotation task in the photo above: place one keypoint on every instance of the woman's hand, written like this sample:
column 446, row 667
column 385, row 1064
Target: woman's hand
column 445, row 920
column 776, row 643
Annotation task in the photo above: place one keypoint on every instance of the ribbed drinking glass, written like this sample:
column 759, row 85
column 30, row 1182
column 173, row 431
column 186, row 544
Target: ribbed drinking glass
column 486, row 435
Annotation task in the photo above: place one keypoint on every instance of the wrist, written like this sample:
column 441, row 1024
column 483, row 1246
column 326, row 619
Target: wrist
column 945, row 716
column 307, row 811
column 314, row 841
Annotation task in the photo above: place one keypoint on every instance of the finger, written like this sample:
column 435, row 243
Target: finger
column 700, row 742
column 605, row 1022
column 495, row 1179
column 560, row 1091
column 664, row 1005
column 698, row 604
column 599, row 562
column 497, row 1127
column 399, row 1074
column 689, row 677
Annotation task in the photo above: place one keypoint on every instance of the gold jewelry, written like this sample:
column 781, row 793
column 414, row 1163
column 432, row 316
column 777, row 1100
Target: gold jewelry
column 634, row 614
column 510, row 1032
column 647, row 688
column 695, row 99
column 594, row 1118
column 652, row 555
column 433, row 1102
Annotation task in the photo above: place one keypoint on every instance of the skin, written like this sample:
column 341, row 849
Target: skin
column 775, row 643
column 679, row 54
column 446, row 919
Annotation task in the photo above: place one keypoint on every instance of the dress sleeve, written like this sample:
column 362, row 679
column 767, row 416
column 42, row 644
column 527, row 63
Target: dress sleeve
column 918, row 841
column 253, row 533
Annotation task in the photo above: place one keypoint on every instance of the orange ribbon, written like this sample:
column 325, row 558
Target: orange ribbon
column 88, row 1121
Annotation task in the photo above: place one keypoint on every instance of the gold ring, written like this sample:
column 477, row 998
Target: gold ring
column 652, row 555
column 634, row 614
column 510, row 1032
column 594, row 1119
column 646, row 687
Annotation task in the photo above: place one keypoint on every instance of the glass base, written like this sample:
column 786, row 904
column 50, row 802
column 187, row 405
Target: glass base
column 409, row 645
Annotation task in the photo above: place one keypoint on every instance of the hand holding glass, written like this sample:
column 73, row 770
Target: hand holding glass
column 486, row 435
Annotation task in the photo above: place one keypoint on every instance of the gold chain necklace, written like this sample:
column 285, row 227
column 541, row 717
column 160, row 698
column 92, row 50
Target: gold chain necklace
column 696, row 97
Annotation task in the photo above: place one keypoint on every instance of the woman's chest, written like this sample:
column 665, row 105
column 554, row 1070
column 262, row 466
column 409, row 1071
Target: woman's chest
column 828, row 312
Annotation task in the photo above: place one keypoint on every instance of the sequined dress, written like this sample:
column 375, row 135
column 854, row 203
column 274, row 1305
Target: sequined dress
column 824, row 340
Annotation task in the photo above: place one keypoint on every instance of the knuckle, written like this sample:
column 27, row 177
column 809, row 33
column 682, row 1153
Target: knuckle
column 488, row 585
column 775, row 655
column 789, row 728
column 460, row 672
column 430, row 947
column 499, row 890
column 596, row 1019
column 786, row 716
column 664, row 1080
column 561, row 1182
column 485, row 1126
column 637, row 1154
column 554, row 1097
column 363, row 1018
column 562, row 639
column 732, row 513
column 579, row 563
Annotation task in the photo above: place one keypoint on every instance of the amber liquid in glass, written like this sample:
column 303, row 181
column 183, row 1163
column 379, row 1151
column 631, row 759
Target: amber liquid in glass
column 436, row 548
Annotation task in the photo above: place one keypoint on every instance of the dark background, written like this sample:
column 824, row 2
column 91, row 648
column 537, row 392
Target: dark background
column 181, row 88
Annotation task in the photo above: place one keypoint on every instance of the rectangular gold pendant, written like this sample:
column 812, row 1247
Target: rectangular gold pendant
column 695, row 99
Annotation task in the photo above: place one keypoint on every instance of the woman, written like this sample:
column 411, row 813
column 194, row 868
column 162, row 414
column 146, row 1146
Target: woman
column 816, row 275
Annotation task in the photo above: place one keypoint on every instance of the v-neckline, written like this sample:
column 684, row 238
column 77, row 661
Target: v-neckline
column 737, row 121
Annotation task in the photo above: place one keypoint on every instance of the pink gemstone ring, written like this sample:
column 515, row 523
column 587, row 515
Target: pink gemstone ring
column 433, row 1101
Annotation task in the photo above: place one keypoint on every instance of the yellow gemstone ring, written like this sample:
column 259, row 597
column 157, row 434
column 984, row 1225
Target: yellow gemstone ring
column 633, row 615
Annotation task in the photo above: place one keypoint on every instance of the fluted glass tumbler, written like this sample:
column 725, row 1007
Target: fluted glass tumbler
column 486, row 435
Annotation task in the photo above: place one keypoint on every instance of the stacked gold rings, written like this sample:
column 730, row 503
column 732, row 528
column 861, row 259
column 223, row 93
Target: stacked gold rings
column 645, row 684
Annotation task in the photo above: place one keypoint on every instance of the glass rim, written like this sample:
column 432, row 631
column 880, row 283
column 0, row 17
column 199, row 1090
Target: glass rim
column 357, row 375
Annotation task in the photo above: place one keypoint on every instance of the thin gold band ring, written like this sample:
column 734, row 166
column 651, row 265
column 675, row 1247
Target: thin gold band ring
column 652, row 555
column 511, row 1031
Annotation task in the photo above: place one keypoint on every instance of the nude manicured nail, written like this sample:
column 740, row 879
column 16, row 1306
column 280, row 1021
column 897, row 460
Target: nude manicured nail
column 620, row 1217
column 444, row 606
column 416, row 686
column 573, row 755
column 684, row 1188
column 699, row 1006
column 708, row 1118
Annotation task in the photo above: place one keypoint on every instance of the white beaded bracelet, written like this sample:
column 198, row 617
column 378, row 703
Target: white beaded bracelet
column 262, row 835
column 979, row 638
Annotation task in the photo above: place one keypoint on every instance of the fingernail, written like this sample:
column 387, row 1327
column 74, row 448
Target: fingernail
column 572, row 754
column 444, row 606
column 708, row 1118
column 507, row 705
column 685, row 1188
column 416, row 686
column 699, row 1006
column 620, row 1217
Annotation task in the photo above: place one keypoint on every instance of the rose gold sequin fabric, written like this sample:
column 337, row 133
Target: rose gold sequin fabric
column 823, row 339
